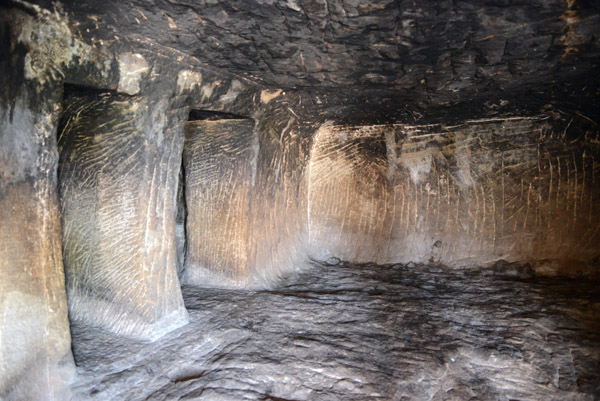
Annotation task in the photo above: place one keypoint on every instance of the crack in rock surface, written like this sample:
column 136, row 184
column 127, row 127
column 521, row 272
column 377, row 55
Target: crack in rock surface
column 362, row 332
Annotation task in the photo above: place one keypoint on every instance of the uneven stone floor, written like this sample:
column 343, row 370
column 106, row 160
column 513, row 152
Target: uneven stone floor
column 363, row 333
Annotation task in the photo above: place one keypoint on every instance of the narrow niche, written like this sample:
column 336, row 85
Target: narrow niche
column 196, row 117
column 214, row 198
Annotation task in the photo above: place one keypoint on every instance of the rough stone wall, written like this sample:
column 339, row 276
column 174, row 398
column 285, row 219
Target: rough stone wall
column 454, row 195
column 120, row 160
column 516, row 189
column 34, row 330
column 35, row 343
column 261, row 168
column 219, row 163
column 279, row 204
column 348, row 195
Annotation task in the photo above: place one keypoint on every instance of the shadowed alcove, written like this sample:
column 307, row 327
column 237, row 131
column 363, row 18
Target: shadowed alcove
column 219, row 164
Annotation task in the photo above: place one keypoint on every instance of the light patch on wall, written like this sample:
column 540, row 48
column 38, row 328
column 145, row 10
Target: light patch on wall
column 418, row 164
column 17, row 147
column 132, row 68
column 267, row 95
column 207, row 90
column 234, row 90
column 571, row 38
column 463, row 173
column 104, row 67
column 187, row 81
column 293, row 5
column 51, row 44
column 158, row 123
column 26, row 312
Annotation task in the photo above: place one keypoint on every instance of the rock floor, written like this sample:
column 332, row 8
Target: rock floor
column 363, row 333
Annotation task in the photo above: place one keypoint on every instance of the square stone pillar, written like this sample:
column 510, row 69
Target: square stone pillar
column 35, row 343
column 119, row 164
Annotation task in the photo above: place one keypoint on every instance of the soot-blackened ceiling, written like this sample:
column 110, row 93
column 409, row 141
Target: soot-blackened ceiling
column 411, row 51
column 295, row 43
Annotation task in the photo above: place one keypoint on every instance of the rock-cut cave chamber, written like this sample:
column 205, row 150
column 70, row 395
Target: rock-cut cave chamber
column 299, row 200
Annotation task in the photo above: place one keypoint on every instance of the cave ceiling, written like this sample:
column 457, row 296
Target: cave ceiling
column 418, row 51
